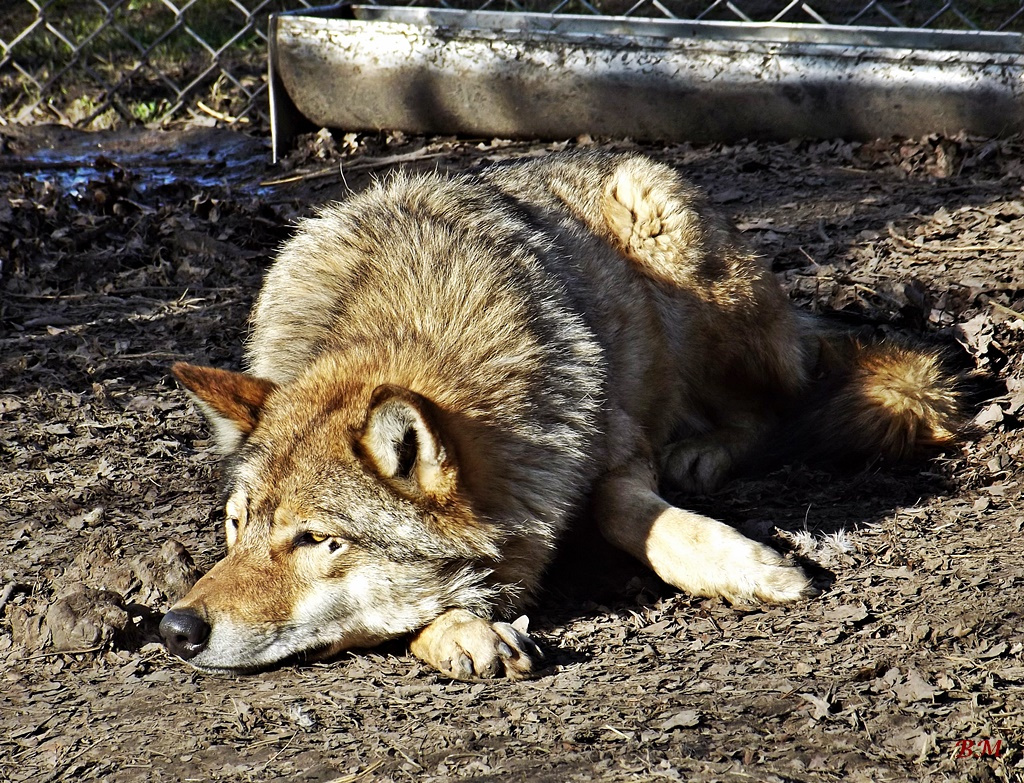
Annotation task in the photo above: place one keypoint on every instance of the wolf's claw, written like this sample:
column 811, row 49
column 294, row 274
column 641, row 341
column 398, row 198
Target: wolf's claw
column 466, row 647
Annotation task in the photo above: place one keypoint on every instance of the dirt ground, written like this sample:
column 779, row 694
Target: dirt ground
column 122, row 252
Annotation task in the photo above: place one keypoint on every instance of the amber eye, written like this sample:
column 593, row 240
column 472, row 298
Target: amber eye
column 310, row 538
column 335, row 545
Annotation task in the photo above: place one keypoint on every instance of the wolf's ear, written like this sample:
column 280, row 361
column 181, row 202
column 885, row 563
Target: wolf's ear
column 231, row 401
column 403, row 441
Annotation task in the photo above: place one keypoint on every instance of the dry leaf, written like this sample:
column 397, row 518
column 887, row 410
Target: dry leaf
column 915, row 688
column 684, row 719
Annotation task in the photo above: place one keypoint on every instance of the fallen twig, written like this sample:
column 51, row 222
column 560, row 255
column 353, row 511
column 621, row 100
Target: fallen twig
column 352, row 778
column 1003, row 308
column 5, row 596
column 935, row 248
column 374, row 163
column 56, row 653
column 219, row 115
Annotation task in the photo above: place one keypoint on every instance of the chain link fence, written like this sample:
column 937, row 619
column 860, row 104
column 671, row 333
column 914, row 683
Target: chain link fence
column 103, row 63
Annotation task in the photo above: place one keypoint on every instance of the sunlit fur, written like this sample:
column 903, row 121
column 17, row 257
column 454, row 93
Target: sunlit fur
column 444, row 372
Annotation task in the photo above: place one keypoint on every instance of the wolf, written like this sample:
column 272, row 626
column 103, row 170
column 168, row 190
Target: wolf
column 445, row 372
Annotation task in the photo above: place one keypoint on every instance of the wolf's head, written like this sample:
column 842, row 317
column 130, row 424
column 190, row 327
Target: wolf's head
column 347, row 521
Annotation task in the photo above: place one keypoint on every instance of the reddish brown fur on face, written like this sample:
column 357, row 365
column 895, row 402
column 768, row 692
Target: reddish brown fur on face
column 247, row 588
column 234, row 396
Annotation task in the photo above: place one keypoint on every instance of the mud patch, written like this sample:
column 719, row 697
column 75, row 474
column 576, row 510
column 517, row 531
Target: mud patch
column 102, row 600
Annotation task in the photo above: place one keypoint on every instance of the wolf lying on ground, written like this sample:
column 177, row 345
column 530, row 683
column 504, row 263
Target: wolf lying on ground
column 444, row 372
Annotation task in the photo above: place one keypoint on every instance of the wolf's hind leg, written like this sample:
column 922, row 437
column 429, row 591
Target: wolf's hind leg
column 692, row 552
column 463, row 646
column 664, row 225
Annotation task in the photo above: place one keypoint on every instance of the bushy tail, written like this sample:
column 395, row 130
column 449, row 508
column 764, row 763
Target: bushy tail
column 872, row 400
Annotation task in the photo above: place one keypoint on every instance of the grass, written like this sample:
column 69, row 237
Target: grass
column 130, row 27
column 75, row 49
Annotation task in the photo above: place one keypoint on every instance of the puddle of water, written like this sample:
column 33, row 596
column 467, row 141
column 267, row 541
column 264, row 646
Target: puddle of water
column 204, row 158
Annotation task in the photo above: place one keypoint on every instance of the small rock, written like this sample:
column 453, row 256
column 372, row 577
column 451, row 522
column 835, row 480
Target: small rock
column 86, row 620
column 165, row 576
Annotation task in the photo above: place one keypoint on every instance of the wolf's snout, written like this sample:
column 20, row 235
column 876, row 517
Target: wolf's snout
column 185, row 633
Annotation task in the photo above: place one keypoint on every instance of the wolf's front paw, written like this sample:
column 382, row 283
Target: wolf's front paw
column 461, row 645
column 705, row 557
column 765, row 576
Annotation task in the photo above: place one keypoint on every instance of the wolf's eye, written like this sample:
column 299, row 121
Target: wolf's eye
column 231, row 530
column 335, row 545
column 310, row 538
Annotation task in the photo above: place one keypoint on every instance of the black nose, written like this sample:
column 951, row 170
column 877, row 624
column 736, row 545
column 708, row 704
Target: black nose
column 185, row 633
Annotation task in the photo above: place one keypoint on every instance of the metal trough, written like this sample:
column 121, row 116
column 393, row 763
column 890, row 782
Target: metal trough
column 497, row 74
